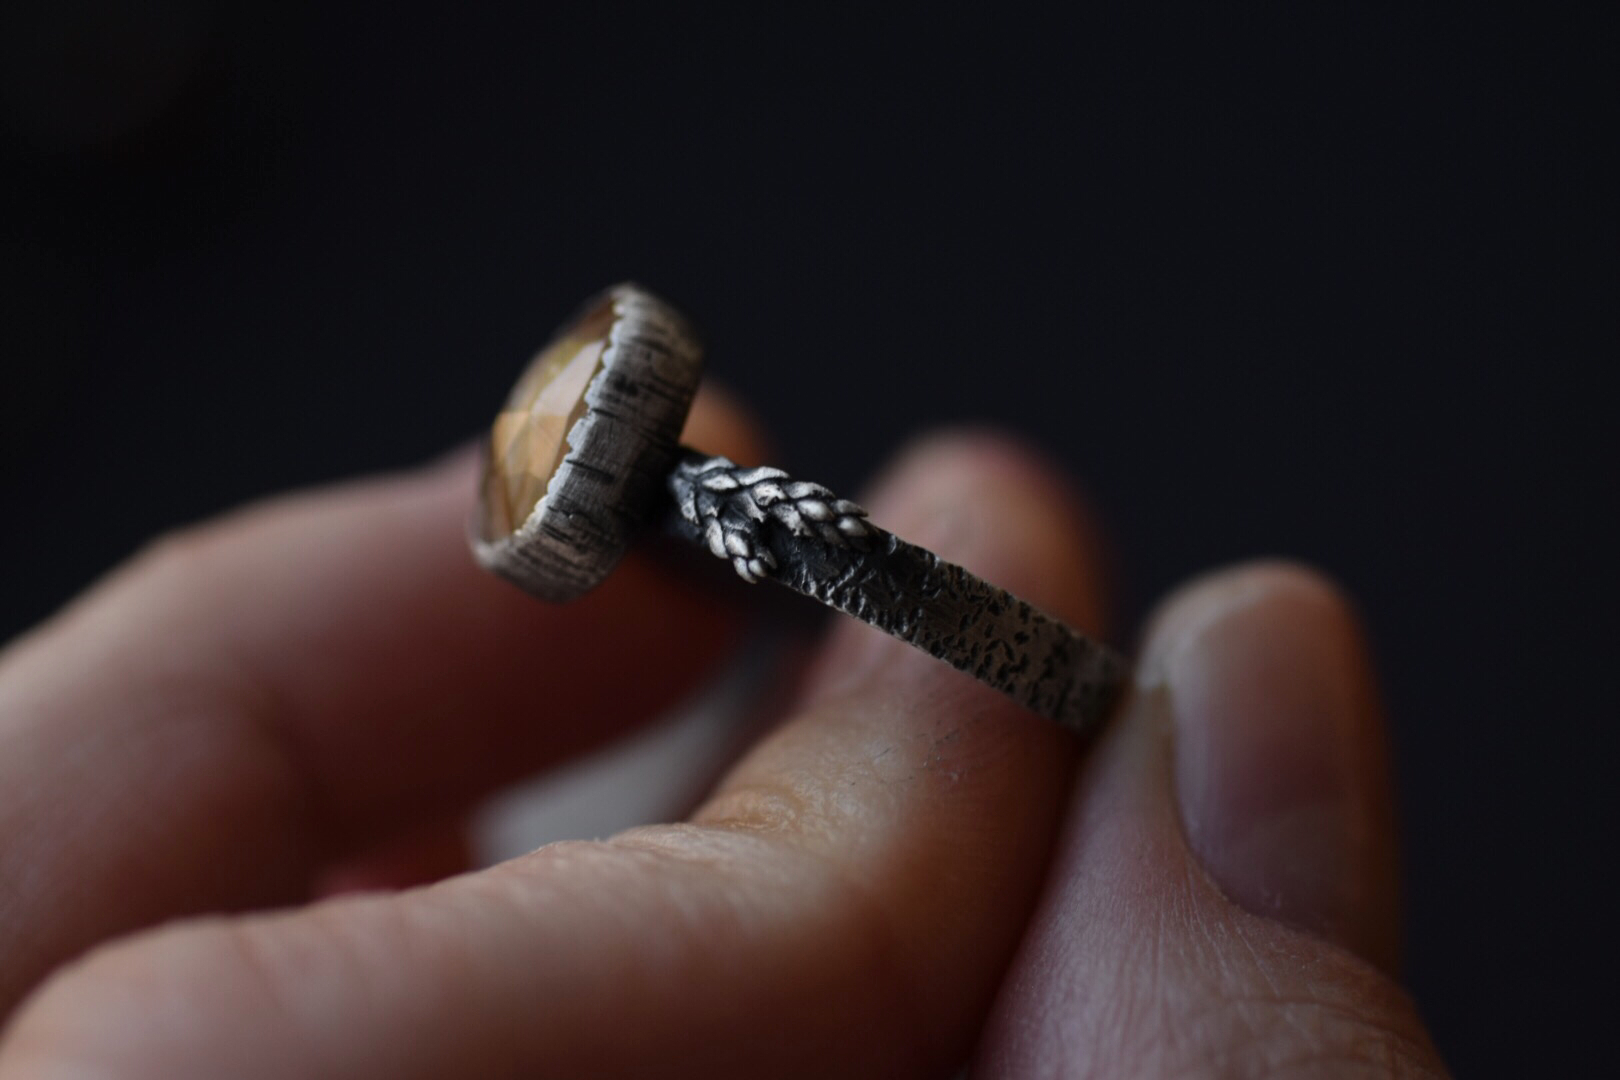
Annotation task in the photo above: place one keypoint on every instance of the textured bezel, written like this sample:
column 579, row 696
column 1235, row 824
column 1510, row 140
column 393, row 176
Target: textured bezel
column 619, row 452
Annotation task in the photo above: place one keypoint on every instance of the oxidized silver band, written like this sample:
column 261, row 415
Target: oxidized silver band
column 800, row 535
column 589, row 435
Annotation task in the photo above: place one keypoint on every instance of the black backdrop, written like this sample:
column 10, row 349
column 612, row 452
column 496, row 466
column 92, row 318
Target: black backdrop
column 1318, row 284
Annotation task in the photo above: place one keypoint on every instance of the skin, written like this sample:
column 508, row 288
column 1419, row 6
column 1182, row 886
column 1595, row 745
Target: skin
column 906, row 874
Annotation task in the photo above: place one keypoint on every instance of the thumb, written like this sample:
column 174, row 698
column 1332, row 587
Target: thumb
column 1222, row 901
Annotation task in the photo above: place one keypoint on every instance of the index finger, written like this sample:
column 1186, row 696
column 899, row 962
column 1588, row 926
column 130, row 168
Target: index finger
column 844, row 906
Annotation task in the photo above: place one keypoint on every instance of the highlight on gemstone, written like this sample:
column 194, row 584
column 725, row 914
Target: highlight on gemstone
column 530, row 436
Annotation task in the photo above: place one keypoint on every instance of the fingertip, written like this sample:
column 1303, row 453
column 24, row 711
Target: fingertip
column 1279, row 585
column 1280, row 768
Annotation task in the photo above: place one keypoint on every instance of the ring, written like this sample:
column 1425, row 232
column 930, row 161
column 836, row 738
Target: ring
column 585, row 456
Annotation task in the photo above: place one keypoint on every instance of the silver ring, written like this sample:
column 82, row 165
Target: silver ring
column 585, row 457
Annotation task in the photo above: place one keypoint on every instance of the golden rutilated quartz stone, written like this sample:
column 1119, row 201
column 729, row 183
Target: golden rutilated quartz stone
column 530, row 436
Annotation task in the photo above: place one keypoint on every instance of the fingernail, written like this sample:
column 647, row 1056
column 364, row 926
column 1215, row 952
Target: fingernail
column 1262, row 673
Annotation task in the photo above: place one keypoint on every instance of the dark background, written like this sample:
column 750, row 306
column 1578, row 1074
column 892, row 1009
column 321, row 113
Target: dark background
column 1321, row 284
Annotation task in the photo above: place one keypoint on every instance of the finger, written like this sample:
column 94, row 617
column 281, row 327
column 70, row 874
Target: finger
column 842, row 906
column 1224, row 898
column 299, row 680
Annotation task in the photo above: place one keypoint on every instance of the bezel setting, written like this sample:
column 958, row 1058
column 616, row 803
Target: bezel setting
column 609, row 482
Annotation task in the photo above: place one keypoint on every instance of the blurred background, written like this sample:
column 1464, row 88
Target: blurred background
column 1320, row 283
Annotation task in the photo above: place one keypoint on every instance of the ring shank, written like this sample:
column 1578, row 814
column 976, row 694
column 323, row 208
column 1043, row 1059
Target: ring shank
column 914, row 595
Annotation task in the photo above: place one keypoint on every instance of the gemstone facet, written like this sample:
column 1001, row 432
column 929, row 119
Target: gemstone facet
column 530, row 436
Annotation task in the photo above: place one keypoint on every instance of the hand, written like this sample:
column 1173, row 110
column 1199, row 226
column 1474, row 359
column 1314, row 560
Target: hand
column 907, row 872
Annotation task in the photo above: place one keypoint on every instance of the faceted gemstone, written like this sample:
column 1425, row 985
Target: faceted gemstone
column 529, row 439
